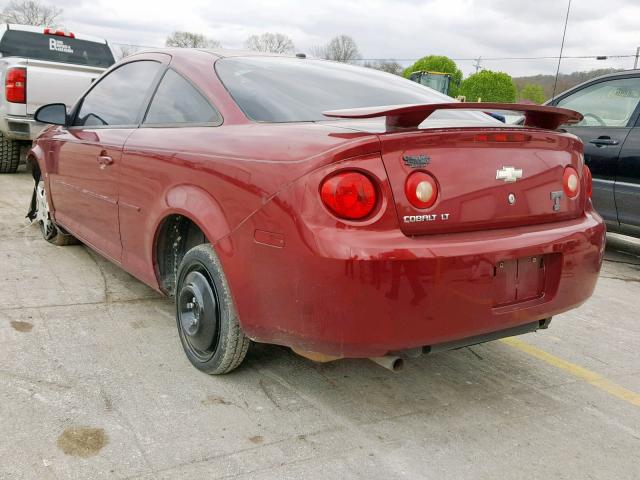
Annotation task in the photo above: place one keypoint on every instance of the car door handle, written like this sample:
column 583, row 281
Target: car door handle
column 604, row 142
column 104, row 160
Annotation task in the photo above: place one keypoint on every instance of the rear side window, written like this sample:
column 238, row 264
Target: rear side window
column 178, row 102
column 17, row 43
column 119, row 97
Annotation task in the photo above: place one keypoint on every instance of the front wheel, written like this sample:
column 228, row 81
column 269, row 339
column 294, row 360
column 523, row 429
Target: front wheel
column 205, row 314
column 51, row 232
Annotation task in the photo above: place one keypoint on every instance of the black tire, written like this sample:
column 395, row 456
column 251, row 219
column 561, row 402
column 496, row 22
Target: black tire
column 205, row 314
column 51, row 232
column 9, row 155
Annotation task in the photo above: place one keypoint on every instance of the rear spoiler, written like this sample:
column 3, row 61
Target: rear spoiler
column 410, row 116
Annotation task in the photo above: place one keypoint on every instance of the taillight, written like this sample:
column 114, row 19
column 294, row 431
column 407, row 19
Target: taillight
column 502, row 137
column 588, row 181
column 58, row 33
column 421, row 190
column 571, row 182
column 16, row 85
column 349, row 195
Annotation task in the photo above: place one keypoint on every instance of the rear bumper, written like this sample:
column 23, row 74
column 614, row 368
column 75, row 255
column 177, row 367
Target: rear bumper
column 20, row 128
column 350, row 294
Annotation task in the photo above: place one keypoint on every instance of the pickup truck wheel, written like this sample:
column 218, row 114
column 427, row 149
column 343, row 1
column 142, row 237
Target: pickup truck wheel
column 51, row 232
column 9, row 155
column 205, row 314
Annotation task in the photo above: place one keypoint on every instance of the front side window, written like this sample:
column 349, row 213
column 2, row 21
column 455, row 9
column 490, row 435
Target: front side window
column 177, row 102
column 605, row 104
column 118, row 99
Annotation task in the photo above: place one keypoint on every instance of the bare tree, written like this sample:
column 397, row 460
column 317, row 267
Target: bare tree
column 319, row 51
column 31, row 12
column 123, row 50
column 388, row 66
column 190, row 40
column 342, row 48
column 270, row 42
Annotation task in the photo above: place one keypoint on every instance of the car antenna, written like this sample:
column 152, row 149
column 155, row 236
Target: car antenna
column 564, row 34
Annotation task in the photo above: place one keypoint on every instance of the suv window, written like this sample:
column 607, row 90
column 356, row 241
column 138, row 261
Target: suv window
column 605, row 104
column 119, row 97
column 18, row 43
column 179, row 102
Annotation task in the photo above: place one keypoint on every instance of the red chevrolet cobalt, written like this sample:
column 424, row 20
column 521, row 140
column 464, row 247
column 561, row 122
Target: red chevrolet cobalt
column 337, row 210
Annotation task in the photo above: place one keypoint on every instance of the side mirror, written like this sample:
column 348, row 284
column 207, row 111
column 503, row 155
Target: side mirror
column 54, row 113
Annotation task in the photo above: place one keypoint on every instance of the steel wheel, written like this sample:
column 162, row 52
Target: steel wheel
column 198, row 313
column 205, row 314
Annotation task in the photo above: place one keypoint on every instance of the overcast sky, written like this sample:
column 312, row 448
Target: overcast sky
column 399, row 29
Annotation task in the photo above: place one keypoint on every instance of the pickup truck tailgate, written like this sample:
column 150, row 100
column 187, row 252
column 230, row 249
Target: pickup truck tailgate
column 53, row 82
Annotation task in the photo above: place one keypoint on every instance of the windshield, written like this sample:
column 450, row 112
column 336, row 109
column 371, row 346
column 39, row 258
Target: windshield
column 281, row 89
column 437, row 82
column 18, row 43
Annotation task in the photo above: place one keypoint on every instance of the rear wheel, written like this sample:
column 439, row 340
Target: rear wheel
column 51, row 232
column 9, row 155
column 205, row 314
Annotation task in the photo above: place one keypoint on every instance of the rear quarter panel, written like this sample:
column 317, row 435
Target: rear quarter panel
column 215, row 176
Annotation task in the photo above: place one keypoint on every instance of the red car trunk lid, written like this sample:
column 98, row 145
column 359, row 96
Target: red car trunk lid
column 487, row 178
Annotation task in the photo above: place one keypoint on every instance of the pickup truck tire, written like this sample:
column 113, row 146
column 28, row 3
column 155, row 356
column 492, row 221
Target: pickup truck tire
column 9, row 155
column 205, row 314
column 51, row 232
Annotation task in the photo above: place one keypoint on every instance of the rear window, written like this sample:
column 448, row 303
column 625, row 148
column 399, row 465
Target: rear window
column 281, row 89
column 17, row 43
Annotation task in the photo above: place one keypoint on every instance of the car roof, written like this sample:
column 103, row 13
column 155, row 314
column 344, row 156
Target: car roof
column 218, row 53
column 224, row 53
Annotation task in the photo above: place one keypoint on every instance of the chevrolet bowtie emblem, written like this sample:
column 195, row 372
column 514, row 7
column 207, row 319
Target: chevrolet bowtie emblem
column 509, row 174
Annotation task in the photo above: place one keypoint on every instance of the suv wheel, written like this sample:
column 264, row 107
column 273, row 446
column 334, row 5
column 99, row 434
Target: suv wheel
column 205, row 314
column 51, row 232
column 9, row 155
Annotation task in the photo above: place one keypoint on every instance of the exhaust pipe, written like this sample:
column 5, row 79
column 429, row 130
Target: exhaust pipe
column 390, row 362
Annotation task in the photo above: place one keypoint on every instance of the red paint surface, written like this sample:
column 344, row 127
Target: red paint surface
column 349, row 288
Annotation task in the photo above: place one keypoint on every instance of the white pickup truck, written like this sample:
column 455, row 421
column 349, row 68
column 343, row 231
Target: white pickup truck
column 40, row 66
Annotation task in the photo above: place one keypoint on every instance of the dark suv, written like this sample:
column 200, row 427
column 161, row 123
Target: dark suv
column 611, row 135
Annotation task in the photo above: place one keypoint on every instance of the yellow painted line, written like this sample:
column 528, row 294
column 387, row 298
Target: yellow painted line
column 577, row 371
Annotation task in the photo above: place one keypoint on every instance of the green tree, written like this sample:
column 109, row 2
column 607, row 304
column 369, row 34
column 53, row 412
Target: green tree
column 438, row 63
column 532, row 92
column 489, row 87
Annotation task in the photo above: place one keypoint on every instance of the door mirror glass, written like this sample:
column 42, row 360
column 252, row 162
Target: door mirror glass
column 55, row 114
